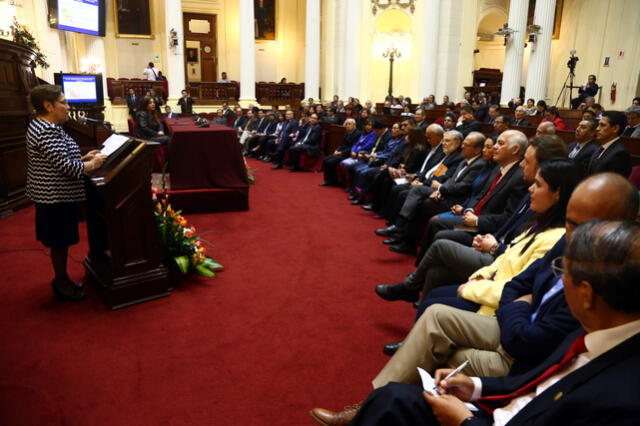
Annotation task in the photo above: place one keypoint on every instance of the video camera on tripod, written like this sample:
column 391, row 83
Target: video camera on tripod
column 572, row 62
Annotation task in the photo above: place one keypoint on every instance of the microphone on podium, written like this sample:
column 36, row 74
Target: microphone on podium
column 83, row 120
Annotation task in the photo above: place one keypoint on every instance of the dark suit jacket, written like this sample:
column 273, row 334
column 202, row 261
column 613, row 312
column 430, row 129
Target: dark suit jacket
column 145, row 126
column 584, row 155
column 347, row 142
column 252, row 124
column 436, row 157
column 451, row 162
column 529, row 342
column 514, row 226
column 186, row 104
column 615, row 159
column 415, row 160
column 471, row 126
column 173, row 115
column 313, row 141
column 523, row 122
column 456, row 189
column 239, row 122
column 132, row 103
column 603, row 392
column 503, row 200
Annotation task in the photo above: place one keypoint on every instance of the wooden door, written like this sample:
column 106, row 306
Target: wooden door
column 200, row 30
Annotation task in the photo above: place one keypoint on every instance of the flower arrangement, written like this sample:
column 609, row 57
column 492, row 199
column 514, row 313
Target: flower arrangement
column 181, row 242
column 21, row 34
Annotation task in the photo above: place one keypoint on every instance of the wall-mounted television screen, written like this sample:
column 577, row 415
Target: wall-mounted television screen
column 81, row 89
column 80, row 16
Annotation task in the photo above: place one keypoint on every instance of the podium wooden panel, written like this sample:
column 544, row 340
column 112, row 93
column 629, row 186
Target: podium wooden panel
column 125, row 252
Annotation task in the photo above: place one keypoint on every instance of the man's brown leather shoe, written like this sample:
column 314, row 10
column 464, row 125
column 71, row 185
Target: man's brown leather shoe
column 329, row 418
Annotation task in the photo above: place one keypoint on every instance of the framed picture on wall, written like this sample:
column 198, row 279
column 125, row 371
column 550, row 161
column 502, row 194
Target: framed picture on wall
column 134, row 18
column 192, row 54
column 264, row 12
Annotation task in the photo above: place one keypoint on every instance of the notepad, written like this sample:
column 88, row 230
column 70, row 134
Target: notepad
column 113, row 143
column 429, row 385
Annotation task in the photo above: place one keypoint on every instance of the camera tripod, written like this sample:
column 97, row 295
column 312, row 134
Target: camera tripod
column 563, row 92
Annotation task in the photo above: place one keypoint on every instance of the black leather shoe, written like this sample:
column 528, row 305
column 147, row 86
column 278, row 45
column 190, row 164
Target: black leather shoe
column 324, row 184
column 367, row 207
column 357, row 201
column 392, row 241
column 387, row 232
column 276, row 166
column 403, row 248
column 392, row 348
column 393, row 292
column 351, row 197
column 67, row 291
column 417, row 304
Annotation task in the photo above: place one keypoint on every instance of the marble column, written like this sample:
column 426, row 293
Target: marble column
column 312, row 51
column 429, row 56
column 538, row 73
column 351, row 48
column 174, row 54
column 247, row 54
column 512, row 74
column 339, row 49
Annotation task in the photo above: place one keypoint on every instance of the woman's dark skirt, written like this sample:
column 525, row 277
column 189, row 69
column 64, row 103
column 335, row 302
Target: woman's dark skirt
column 57, row 224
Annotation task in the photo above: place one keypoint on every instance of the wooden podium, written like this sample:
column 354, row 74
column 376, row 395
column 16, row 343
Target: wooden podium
column 125, row 252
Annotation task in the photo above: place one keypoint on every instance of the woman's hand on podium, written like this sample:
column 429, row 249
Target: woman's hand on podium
column 95, row 163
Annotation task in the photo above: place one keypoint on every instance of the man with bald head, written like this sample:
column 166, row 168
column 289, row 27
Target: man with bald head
column 545, row 128
column 342, row 152
column 496, row 202
column 533, row 317
column 592, row 376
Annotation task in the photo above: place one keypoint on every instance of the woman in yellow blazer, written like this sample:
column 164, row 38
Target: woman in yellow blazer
column 550, row 194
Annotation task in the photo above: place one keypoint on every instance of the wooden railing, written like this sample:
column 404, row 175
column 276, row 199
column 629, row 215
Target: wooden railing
column 279, row 94
column 209, row 92
column 117, row 90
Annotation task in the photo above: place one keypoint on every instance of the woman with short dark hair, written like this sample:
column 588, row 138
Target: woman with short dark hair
column 54, row 182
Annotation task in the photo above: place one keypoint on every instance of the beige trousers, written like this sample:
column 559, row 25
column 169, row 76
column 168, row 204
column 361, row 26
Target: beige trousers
column 445, row 337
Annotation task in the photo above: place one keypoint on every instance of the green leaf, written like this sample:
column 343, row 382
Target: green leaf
column 183, row 263
column 203, row 270
column 210, row 263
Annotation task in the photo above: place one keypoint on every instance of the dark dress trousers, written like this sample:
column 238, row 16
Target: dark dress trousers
column 310, row 144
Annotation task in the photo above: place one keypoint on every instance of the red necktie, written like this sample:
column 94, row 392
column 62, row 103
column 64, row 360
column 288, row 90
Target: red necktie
column 490, row 403
column 486, row 196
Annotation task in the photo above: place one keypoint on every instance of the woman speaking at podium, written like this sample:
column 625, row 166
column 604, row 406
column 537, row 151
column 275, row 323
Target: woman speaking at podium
column 54, row 182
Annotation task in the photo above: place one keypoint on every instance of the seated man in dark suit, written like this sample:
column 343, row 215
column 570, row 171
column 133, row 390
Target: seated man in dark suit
column 498, row 200
column 500, row 124
column 168, row 113
column 310, row 143
column 520, row 117
column 441, row 194
column 391, row 204
column 633, row 120
column 469, row 123
column 612, row 156
column 591, row 378
column 492, row 114
column 342, row 152
column 331, row 117
column 585, row 145
column 240, row 122
column 586, row 90
column 220, row 118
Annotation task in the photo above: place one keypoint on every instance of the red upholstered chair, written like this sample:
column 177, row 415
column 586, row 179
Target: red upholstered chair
column 634, row 177
column 132, row 127
column 314, row 164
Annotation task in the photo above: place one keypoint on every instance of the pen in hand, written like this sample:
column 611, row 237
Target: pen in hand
column 456, row 371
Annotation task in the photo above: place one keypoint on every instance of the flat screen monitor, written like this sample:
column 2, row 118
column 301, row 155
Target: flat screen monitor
column 81, row 89
column 80, row 16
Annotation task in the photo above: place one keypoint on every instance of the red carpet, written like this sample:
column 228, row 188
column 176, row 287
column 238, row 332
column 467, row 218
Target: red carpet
column 292, row 323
